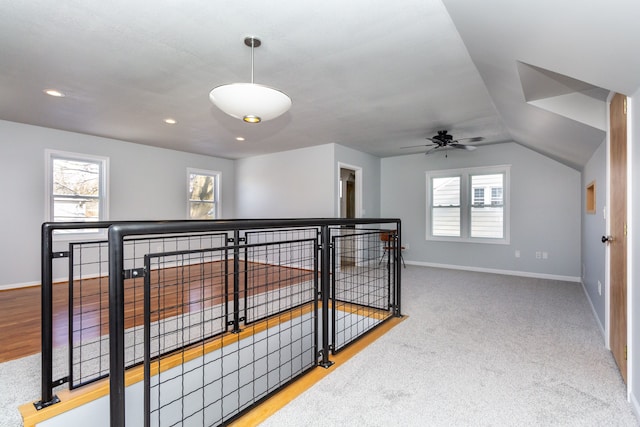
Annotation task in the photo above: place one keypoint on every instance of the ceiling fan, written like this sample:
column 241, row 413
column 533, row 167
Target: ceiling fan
column 444, row 140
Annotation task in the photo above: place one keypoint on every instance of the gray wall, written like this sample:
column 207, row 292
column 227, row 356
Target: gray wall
column 545, row 212
column 303, row 183
column 145, row 183
column 593, row 228
column 288, row 184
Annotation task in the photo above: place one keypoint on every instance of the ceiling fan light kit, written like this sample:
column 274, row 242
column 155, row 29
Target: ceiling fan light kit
column 250, row 102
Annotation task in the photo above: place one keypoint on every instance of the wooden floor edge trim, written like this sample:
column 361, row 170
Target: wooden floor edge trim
column 276, row 402
column 71, row 399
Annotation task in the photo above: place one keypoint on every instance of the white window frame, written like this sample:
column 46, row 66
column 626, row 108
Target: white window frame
column 216, row 188
column 466, row 202
column 50, row 156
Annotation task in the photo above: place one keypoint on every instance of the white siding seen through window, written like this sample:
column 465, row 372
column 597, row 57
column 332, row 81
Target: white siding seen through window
column 468, row 205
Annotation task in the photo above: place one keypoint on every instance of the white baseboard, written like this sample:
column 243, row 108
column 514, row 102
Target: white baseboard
column 10, row 286
column 497, row 271
column 593, row 310
column 635, row 406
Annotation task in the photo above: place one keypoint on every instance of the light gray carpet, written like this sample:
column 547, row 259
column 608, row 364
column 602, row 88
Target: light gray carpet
column 476, row 350
column 19, row 383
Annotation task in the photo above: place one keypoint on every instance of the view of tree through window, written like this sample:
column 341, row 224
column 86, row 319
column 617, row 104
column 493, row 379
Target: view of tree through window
column 76, row 190
column 202, row 196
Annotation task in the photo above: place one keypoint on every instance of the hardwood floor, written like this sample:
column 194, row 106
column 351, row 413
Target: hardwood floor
column 183, row 289
column 20, row 321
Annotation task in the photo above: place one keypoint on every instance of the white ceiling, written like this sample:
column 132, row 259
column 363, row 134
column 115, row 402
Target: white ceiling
column 372, row 75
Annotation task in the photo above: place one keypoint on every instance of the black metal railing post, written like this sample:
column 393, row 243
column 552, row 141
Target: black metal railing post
column 399, row 263
column 226, row 284
column 316, row 290
column 116, row 327
column 46, row 317
column 332, row 296
column 325, row 259
column 236, row 281
column 147, row 341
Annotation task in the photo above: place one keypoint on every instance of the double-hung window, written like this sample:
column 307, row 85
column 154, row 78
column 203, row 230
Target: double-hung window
column 203, row 193
column 468, row 205
column 76, row 187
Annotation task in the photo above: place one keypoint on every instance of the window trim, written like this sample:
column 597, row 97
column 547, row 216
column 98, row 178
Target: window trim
column 466, row 203
column 217, row 189
column 50, row 156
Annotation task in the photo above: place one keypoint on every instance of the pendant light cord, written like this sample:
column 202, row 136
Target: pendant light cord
column 252, row 46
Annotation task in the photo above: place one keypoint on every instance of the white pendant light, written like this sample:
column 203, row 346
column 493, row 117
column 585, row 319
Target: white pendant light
column 250, row 102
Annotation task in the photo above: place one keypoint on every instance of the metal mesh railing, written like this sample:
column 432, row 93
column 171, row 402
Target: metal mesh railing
column 197, row 373
column 219, row 314
column 362, row 284
column 89, row 299
column 280, row 271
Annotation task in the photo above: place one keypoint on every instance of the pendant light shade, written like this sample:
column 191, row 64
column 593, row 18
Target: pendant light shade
column 250, row 102
column 246, row 100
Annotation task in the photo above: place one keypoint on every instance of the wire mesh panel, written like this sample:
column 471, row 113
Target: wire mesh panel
column 188, row 295
column 361, row 288
column 197, row 377
column 88, row 312
column 89, row 300
column 280, row 271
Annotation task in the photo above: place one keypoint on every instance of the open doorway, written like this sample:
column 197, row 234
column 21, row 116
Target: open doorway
column 349, row 199
column 347, row 193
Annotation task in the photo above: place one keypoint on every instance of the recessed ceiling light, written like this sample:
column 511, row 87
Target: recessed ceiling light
column 53, row 92
column 170, row 121
column 239, row 138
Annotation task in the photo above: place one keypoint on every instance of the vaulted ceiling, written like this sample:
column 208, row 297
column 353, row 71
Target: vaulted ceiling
column 376, row 76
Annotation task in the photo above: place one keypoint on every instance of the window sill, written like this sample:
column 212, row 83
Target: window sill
column 485, row 241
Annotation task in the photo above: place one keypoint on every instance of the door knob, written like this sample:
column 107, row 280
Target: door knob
column 607, row 239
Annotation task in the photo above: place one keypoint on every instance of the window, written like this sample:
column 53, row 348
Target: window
column 468, row 205
column 478, row 196
column 76, row 187
column 445, row 207
column 203, row 194
column 496, row 196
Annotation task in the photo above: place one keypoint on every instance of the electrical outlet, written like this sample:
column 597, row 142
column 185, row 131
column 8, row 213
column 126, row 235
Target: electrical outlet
column 406, row 246
column 599, row 288
column 517, row 253
column 538, row 254
column 545, row 255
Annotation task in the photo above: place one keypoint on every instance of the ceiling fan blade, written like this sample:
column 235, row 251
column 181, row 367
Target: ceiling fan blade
column 431, row 150
column 462, row 146
column 416, row 146
column 493, row 142
column 472, row 139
